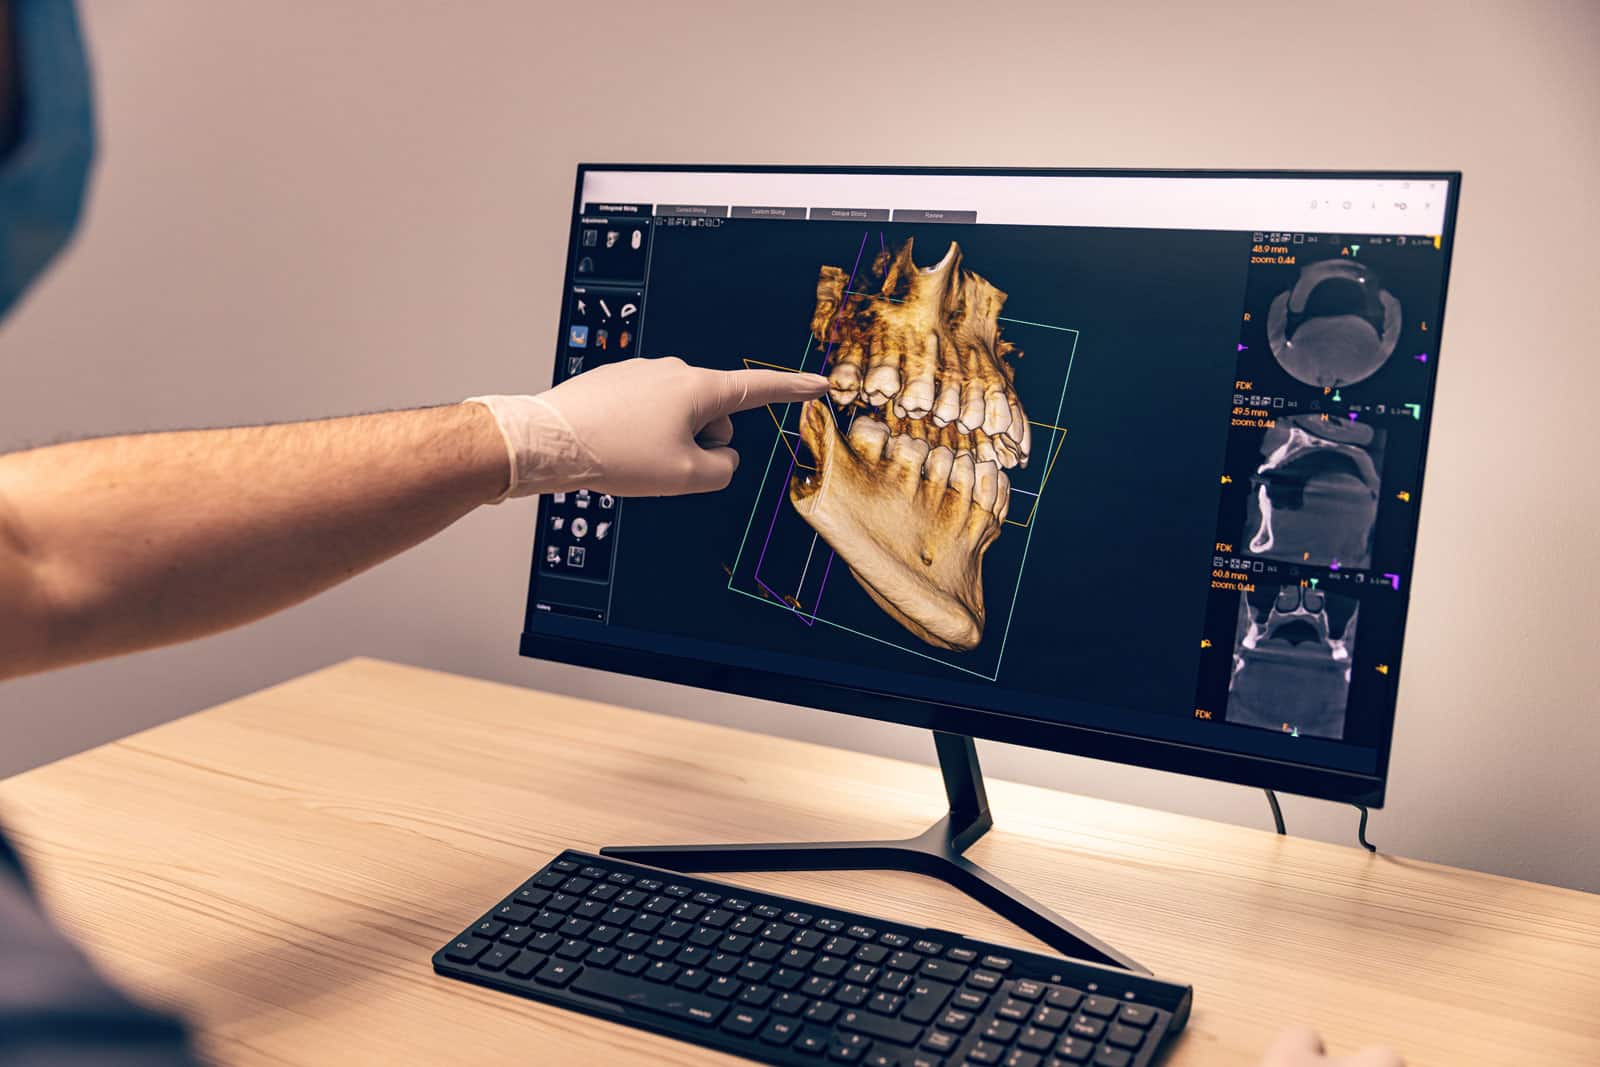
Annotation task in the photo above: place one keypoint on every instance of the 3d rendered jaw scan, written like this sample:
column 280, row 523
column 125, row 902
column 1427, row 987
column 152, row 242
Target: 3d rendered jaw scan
column 1337, row 326
column 1291, row 662
column 915, row 491
column 1314, row 498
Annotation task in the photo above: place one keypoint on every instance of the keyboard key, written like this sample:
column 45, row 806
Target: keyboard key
column 1027, row 990
column 997, row 963
column 925, row 1000
column 632, row 898
column 593, row 872
column 564, row 866
column 1110, row 1057
column 787, row 977
column 961, row 955
column 886, row 1003
column 756, row 996
column 1136, row 1015
column 789, row 1004
column 1074, row 1049
column 725, row 987
column 736, row 904
column 618, row 878
column 573, row 949
column 600, row 956
column 894, row 940
column 829, row 966
column 466, row 950
column 1022, row 1058
column 1062, row 997
column 967, row 1000
column 818, row 986
column 1016, row 1011
column 985, row 1052
column 526, row 964
column 852, row 996
column 829, row 926
column 1050, row 1018
column 862, row 974
column 1087, row 1026
column 531, row 897
column 1000, row 1031
column 693, row 979
column 956, row 1021
column 779, row 1032
column 1104, row 1007
column 662, row 971
column 840, row 946
column 497, row 957
column 766, row 951
column 808, row 939
column 705, row 936
column 512, row 914
column 679, row 891
column 905, row 961
column 848, row 1048
column 865, row 1022
column 895, row 981
column 752, row 971
column 548, row 941
column 489, row 929
column 822, row 1012
column 943, row 970
column 725, row 963
column 557, row 973
column 766, row 911
column 798, row 918
column 676, row 1003
column 707, row 900
column 814, row 1041
column 873, row 954
column 862, row 933
column 649, row 885
column 516, row 935
column 929, row 948
column 941, row 1042
column 577, row 885
column 1036, row 1040
column 1124, row 1036
column 878, row 1058
column 747, row 925
column 632, row 963
column 691, row 956
column 987, row 981
column 923, row 1059
column 744, row 1021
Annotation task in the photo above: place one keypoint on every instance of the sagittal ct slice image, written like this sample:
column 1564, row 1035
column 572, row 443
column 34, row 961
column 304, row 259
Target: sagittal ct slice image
column 1314, row 498
column 1291, row 660
column 1336, row 326
column 907, row 476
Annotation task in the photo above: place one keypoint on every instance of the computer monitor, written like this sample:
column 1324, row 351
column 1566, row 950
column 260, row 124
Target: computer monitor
column 1124, row 464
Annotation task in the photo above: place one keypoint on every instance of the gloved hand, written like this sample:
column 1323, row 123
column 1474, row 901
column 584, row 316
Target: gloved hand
column 1301, row 1047
column 642, row 427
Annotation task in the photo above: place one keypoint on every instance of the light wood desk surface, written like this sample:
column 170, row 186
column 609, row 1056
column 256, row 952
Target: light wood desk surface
column 282, row 867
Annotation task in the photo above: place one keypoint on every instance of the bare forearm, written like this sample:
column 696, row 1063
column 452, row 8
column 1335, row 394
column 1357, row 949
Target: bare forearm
column 123, row 543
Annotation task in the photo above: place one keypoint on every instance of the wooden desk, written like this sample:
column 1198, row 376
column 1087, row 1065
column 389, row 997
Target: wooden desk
column 282, row 867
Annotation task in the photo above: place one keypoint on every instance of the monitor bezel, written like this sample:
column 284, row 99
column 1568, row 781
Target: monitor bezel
column 1049, row 735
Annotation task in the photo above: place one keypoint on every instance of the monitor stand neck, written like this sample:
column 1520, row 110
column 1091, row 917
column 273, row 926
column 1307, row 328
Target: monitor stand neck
column 936, row 852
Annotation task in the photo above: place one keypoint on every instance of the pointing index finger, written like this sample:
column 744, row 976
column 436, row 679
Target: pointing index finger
column 741, row 390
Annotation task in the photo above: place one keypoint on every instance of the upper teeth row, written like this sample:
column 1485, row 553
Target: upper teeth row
column 970, row 405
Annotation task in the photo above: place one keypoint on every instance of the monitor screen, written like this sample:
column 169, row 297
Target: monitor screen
column 1119, row 463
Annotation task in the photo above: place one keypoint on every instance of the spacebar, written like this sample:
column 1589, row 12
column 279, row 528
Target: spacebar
column 594, row 982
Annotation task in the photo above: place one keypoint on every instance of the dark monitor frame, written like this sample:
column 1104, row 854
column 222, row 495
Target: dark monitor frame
column 1235, row 768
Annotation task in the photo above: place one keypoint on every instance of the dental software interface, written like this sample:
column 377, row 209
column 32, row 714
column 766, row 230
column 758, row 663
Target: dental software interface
column 1141, row 453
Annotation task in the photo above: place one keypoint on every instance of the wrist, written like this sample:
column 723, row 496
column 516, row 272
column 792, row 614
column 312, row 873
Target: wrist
column 490, row 461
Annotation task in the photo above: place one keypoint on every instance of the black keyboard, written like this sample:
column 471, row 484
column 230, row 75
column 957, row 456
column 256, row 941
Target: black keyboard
column 788, row 982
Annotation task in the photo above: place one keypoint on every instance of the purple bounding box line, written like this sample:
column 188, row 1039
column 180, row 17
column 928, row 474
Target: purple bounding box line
column 825, row 572
column 773, row 525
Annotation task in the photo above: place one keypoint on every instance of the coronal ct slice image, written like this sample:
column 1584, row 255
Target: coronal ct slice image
column 914, row 491
column 1336, row 326
column 1314, row 498
column 1291, row 660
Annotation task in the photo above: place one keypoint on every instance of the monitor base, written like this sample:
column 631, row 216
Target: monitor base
column 936, row 852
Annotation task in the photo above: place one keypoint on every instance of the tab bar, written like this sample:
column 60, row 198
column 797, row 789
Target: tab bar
column 925, row 215
column 699, row 211
column 618, row 210
column 851, row 214
column 768, row 212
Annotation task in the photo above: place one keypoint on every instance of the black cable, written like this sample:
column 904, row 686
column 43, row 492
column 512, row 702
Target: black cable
column 1361, row 831
column 1277, row 812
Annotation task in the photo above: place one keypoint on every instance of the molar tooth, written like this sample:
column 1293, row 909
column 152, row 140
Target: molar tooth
column 988, row 485
column 916, row 395
column 868, row 436
column 985, row 450
column 971, row 406
column 948, row 405
column 883, row 382
column 962, row 475
column 936, row 468
column 1005, row 450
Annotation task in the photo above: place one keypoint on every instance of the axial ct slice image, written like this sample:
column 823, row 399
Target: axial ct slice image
column 1336, row 326
column 1291, row 660
column 913, row 491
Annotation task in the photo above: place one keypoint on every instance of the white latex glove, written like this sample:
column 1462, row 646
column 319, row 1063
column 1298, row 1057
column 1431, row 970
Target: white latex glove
column 1302, row 1047
column 642, row 427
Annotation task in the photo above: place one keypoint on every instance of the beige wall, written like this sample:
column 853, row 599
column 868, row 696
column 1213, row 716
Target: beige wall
column 317, row 207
